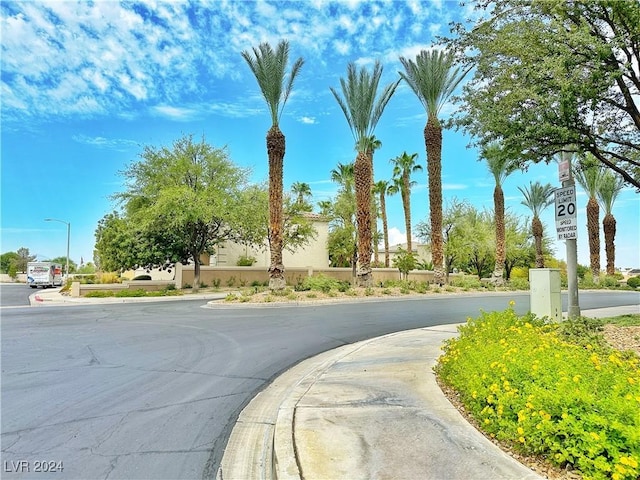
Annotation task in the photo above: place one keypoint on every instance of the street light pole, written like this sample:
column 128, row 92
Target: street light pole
column 68, row 224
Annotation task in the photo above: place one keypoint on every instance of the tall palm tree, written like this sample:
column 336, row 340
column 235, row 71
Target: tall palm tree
column 362, row 107
column 381, row 188
column 589, row 178
column 609, row 188
column 537, row 197
column 301, row 190
column 500, row 167
column 403, row 166
column 433, row 78
column 268, row 66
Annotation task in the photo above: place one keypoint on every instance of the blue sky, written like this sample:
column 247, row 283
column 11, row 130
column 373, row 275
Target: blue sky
column 86, row 85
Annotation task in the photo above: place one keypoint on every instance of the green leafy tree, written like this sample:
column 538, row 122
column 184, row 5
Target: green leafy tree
column 7, row 259
column 403, row 167
column 608, row 190
column 589, row 176
column 268, row 66
column 343, row 248
column 433, row 78
column 24, row 257
column 500, row 166
column 182, row 202
column 298, row 228
column 520, row 251
column 363, row 106
column 404, row 261
column 454, row 234
column 551, row 74
column 537, row 198
column 73, row 266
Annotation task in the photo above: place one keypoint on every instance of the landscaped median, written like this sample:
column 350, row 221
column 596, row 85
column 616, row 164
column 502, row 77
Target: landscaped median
column 558, row 392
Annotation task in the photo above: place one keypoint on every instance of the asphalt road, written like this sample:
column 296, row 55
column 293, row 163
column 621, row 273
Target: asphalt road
column 15, row 294
column 151, row 391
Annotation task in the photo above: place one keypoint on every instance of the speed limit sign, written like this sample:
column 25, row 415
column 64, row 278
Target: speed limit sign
column 566, row 215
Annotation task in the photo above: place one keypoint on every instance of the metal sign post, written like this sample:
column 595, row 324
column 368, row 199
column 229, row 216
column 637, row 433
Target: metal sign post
column 566, row 226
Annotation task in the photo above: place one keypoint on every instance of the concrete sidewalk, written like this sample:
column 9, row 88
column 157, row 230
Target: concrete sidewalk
column 370, row 410
column 52, row 296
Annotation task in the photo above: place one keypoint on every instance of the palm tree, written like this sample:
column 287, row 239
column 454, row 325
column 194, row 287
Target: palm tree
column 302, row 190
column 589, row 178
column 362, row 108
column 343, row 176
column 381, row 187
column 500, row 167
column 537, row 197
column 269, row 66
column 609, row 188
column 403, row 166
column 433, row 79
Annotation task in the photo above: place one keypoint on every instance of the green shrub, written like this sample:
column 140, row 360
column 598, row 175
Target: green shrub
column 216, row 283
column 186, row 286
column 469, row 282
column 99, row 294
column 575, row 404
column 131, row 293
column 634, row 282
column 321, row 283
column 518, row 284
column 231, row 281
column 245, row 261
column 609, row 281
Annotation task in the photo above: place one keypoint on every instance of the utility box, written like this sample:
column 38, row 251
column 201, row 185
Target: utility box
column 546, row 300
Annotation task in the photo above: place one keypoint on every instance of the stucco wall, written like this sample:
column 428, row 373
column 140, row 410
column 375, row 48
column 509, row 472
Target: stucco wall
column 245, row 276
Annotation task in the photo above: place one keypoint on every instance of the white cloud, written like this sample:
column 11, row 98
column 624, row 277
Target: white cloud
column 175, row 113
column 102, row 142
column 308, row 120
column 454, row 186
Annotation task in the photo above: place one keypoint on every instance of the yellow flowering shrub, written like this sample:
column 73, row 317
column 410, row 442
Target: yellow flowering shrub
column 577, row 405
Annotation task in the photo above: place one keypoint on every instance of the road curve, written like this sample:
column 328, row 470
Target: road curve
column 152, row 390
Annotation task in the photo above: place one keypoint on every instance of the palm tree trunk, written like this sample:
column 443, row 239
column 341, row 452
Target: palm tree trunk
column 498, row 204
column 385, row 229
column 536, row 227
column 407, row 210
column 609, row 227
column 275, row 151
column 373, row 213
column 362, row 177
column 593, row 229
column 433, row 142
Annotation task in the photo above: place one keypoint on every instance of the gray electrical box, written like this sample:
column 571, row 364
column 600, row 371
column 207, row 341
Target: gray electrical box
column 546, row 300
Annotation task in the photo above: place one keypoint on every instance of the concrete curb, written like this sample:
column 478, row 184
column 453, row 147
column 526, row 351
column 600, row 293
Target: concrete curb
column 280, row 459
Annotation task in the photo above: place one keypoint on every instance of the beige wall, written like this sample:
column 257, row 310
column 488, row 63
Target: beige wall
column 313, row 255
column 245, row 276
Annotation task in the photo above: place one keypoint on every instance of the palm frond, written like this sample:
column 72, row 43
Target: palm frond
column 608, row 190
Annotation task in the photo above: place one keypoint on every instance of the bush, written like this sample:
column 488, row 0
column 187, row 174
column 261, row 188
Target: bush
column 634, row 282
column 518, row 284
column 107, row 277
column 609, row 281
column 527, row 385
column 245, row 261
column 319, row 282
column 131, row 293
column 99, row 294
column 468, row 282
